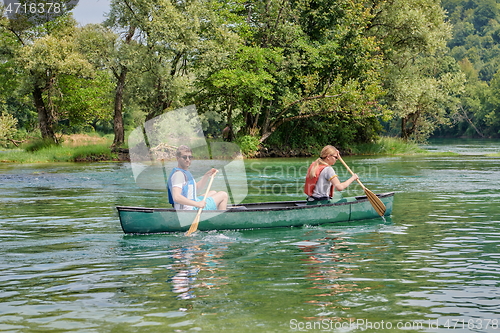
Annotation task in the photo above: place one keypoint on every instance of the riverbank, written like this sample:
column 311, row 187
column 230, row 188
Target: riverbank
column 72, row 148
column 383, row 146
column 90, row 153
column 97, row 151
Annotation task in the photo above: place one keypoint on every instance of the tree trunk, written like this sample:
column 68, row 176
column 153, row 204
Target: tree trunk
column 45, row 119
column 118, row 127
column 404, row 132
column 229, row 123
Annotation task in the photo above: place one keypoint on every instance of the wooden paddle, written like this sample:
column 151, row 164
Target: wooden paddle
column 374, row 200
column 196, row 220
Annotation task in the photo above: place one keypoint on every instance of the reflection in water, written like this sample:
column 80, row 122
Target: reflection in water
column 328, row 259
column 189, row 262
column 187, row 266
column 183, row 280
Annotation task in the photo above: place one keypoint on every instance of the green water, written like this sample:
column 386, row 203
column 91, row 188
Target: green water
column 434, row 266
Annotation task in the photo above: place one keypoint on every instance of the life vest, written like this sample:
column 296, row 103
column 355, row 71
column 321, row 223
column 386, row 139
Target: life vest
column 310, row 184
column 190, row 181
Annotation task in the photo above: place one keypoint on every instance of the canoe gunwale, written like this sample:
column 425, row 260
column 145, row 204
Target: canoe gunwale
column 280, row 205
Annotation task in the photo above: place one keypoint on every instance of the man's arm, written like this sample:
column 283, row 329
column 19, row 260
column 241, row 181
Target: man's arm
column 203, row 181
column 180, row 199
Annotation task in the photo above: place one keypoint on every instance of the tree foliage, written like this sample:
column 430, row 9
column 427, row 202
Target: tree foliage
column 47, row 64
column 303, row 72
column 297, row 60
column 7, row 127
column 476, row 48
column 421, row 81
column 171, row 37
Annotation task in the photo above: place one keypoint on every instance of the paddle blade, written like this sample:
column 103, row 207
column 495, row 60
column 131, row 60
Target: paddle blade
column 377, row 204
column 194, row 225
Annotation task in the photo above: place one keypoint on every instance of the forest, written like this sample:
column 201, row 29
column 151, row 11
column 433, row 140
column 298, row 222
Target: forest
column 298, row 73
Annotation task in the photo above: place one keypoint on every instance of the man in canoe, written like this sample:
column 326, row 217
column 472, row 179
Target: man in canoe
column 321, row 179
column 182, row 188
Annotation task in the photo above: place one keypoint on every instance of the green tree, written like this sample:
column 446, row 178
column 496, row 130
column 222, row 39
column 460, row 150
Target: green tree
column 297, row 60
column 171, row 37
column 468, row 119
column 42, row 57
column 491, row 113
column 10, row 101
column 244, row 84
column 476, row 47
column 485, row 11
column 7, row 127
column 82, row 101
column 109, row 53
column 422, row 83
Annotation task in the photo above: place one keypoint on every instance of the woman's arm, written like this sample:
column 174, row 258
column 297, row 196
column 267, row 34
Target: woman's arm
column 342, row 186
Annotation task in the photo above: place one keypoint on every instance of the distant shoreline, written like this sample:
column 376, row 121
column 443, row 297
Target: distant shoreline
column 85, row 148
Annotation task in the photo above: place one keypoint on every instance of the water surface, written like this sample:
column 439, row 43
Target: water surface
column 434, row 266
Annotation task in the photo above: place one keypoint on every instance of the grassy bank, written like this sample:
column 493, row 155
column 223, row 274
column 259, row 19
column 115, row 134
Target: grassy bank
column 89, row 149
column 88, row 153
column 392, row 146
column 74, row 148
column 387, row 146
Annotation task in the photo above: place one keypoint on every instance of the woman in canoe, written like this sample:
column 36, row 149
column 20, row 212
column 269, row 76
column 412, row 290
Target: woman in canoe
column 182, row 188
column 321, row 179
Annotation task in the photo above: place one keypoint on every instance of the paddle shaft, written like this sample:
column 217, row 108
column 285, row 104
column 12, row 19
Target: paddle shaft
column 196, row 220
column 349, row 169
column 375, row 201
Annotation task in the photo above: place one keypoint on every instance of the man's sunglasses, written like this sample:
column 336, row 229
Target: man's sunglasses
column 185, row 157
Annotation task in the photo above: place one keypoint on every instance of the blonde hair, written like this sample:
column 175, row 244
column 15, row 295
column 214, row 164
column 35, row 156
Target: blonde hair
column 327, row 150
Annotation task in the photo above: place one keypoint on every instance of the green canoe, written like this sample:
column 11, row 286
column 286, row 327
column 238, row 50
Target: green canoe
column 141, row 220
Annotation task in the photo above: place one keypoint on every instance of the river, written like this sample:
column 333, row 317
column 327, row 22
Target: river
column 433, row 266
